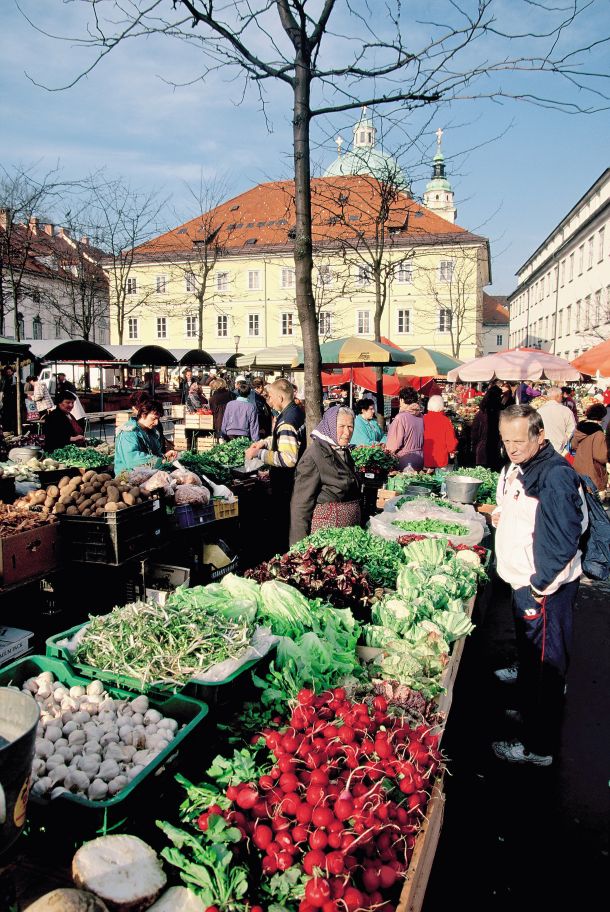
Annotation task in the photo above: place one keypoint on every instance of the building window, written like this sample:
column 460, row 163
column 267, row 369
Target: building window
column 132, row 327
column 563, row 272
column 588, row 311
column 132, row 286
column 590, row 253
column 404, row 273
column 404, row 321
column 222, row 281
column 578, row 314
column 546, row 328
column 37, row 328
column 191, row 327
column 161, row 327
column 325, row 324
column 444, row 320
column 445, row 270
column 161, row 284
column 287, row 324
column 364, row 275
column 325, row 276
column 598, row 308
column 363, row 323
column 600, row 244
column 254, row 280
column 287, row 277
column 254, row 325
column 568, row 318
column 499, row 339
column 581, row 258
column 560, row 324
column 222, row 326
column 571, row 271
column 58, row 329
column 190, row 283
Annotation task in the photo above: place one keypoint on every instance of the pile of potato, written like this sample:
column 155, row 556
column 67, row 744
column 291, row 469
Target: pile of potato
column 91, row 494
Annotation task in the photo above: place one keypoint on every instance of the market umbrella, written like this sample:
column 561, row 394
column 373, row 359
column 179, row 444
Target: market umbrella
column 594, row 361
column 280, row 356
column 366, row 378
column 355, row 350
column 428, row 363
column 514, row 365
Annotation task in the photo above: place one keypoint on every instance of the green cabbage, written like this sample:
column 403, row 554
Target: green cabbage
column 284, row 609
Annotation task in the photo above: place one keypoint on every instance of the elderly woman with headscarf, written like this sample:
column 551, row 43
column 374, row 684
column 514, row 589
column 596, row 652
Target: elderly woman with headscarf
column 327, row 484
column 195, row 398
column 440, row 442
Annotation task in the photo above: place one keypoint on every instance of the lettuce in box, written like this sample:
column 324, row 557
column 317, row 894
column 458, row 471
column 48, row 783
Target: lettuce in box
column 244, row 591
column 454, row 624
column 378, row 637
column 394, row 613
column 429, row 552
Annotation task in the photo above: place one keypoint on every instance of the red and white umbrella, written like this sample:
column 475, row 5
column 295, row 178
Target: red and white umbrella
column 515, row 364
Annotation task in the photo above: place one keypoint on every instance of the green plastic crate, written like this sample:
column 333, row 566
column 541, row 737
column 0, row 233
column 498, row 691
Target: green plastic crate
column 112, row 813
column 196, row 689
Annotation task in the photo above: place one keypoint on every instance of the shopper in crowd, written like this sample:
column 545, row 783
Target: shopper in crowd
column 185, row 384
column 540, row 517
column 557, row 419
column 327, row 485
column 9, row 400
column 220, row 396
column 41, row 396
column 240, row 417
column 522, row 396
column 485, row 432
column 440, row 442
column 366, row 427
column 61, row 427
column 590, row 446
column 406, row 434
column 195, row 399
column 62, row 386
column 281, row 452
column 569, row 401
column 140, row 443
column 262, row 407
column 508, row 397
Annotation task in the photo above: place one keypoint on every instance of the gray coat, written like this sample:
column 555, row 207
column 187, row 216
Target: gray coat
column 322, row 476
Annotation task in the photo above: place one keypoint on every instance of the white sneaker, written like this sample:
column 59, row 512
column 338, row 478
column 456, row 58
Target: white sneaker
column 507, row 675
column 514, row 752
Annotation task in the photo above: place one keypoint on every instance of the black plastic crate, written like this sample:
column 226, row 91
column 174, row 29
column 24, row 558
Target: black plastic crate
column 210, row 573
column 116, row 538
column 190, row 516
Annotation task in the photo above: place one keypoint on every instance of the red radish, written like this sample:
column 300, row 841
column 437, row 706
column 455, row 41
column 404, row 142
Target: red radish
column 370, row 880
column 315, row 794
column 300, row 834
column 286, row 765
column 314, row 859
column 284, row 861
column 335, row 863
column 263, row 836
column 290, row 804
column 322, row 817
column 317, row 891
column 387, row 877
column 269, row 865
column 202, row 822
column 344, row 808
column 232, row 792
column 305, row 696
column 334, row 840
column 318, row 839
column 353, row 899
column 304, row 813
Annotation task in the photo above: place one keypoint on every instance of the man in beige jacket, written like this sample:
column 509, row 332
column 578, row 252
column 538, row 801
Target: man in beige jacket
column 557, row 419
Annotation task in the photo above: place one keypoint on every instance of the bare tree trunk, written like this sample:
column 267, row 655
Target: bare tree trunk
column 377, row 329
column 303, row 254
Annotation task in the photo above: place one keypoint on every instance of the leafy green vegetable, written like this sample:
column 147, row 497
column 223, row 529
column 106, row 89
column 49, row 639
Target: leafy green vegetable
column 431, row 500
column 381, row 558
column 401, row 481
column 81, row 457
column 284, row 609
column 430, row 551
column 431, row 525
column 374, row 456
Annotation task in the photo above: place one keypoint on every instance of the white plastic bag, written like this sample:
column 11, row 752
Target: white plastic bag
column 382, row 525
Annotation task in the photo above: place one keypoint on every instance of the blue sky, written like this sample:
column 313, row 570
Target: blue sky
column 516, row 168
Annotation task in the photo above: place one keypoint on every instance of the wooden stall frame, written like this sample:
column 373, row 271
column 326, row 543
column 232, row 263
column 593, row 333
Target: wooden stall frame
column 418, row 872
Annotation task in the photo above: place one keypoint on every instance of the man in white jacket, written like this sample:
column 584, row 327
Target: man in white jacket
column 540, row 517
column 557, row 419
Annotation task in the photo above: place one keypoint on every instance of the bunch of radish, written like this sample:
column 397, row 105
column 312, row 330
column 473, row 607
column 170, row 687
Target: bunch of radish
column 344, row 799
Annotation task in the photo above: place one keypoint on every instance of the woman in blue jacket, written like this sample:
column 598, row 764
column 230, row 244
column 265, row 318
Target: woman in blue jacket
column 366, row 427
column 139, row 442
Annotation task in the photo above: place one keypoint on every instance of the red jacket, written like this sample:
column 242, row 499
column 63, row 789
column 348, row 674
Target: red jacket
column 439, row 440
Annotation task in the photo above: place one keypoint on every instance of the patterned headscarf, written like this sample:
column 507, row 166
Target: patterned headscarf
column 327, row 428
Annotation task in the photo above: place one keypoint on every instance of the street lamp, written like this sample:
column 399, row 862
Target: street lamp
column 236, row 340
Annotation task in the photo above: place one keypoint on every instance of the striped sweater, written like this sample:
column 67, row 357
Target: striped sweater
column 283, row 447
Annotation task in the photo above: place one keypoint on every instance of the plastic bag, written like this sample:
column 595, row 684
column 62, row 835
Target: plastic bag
column 158, row 481
column 382, row 525
column 425, row 508
column 191, row 494
column 140, row 475
column 262, row 641
column 184, row 476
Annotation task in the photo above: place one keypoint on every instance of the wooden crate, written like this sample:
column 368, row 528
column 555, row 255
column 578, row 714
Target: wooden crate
column 178, row 411
column 29, row 554
column 418, row 872
column 445, row 699
column 224, row 510
column 204, row 443
column 199, row 422
column 383, row 495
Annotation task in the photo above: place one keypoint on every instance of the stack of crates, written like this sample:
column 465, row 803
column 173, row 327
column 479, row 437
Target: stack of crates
column 205, row 443
column 180, row 439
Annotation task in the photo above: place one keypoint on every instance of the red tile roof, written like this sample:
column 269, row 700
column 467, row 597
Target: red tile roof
column 342, row 207
column 495, row 311
column 49, row 255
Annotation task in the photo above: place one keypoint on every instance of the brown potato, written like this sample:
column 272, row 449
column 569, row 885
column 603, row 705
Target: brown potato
column 53, row 491
column 128, row 498
column 59, row 508
column 96, row 496
column 86, row 512
column 113, row 494
column 101, row 502
column 97, row 485
column 89, row 476
column 39, row 497
column 49, row 503
column 63, row 482
column 66, row 499
column 104, row 477
column 112, row 507
column 72, row 510
column 87, row 489
column 121, row 506
column 86, row 505
column 135, row 491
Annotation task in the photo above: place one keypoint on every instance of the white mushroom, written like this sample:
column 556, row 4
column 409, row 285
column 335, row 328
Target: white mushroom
column 109, row 770
column 152, row 717
column 95, row 688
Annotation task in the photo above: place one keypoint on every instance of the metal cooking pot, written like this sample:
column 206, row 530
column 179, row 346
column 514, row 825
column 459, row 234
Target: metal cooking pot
column 462, row 488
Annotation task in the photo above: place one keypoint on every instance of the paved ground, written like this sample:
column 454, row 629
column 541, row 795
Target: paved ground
column 517, row 838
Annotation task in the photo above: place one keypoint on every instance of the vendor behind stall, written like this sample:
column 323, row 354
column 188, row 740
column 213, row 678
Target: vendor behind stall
column 140, row 443
column 61, row 427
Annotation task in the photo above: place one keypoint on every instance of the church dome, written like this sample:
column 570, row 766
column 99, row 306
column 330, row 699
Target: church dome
column 365, row 158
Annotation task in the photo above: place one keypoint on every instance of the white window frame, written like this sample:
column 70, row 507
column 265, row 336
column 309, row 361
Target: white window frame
column 568, row 318
column 222, row 281
column 254, row 323
column 600, row 244
column 191, row 328
column 288, row 277
column 287, row 324
column 363, row 277
column 445, row 319
column 404, row 272
column 254, row 280
column 400, row 317
column 590, row 252
column 133, row 328
column 597, row 297
column 325, row 323
column 190, row 283
column 445, row 270
column 587, row 320
column 161, row 284
column 131, row 285
column 571, row 270
column 499, row 337
column 222, row 326
column 363, row 322
column 161, row 327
